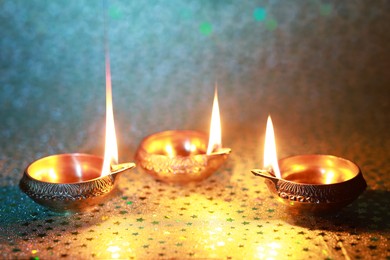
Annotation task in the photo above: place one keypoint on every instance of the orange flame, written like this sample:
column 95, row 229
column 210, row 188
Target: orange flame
column 111, row 146
column 270, row 155
column 215, row 138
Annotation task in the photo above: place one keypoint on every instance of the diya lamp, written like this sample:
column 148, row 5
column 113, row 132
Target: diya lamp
column 181, row 156
column 314, row 184
column 74, row 181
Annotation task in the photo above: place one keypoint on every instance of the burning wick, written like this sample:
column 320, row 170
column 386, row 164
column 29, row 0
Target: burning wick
column 215, row 139
column 111, row 146
column 270, row 154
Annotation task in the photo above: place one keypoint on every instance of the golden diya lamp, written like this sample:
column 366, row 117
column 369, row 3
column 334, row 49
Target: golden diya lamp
column 74, row 181
column 70, row 182
column 181, row 156
column 315, row 184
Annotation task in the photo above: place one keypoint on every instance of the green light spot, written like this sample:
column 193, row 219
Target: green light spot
column 271, row 24
column 260, row 14
column 326, row 9
column 206, row 29
column 129, row 202
column 115, row 12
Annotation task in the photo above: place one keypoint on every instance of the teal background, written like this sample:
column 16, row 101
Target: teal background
column 305, row 62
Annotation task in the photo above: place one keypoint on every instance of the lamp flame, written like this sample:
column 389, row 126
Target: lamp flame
column 215, row 139
column 270, row 155
column 111, row 146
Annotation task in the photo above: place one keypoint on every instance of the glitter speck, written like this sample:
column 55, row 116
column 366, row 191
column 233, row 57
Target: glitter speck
column 260, row 14
column 326, row 9
column 271, row 24
column 206, row 29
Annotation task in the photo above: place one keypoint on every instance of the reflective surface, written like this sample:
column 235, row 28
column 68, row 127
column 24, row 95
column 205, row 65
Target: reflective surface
column 179, row 156
column 317, row 169
column 66, row 168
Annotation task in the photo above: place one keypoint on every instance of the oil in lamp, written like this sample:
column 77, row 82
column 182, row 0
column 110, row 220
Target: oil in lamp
column 315, row 184
column 181, row 156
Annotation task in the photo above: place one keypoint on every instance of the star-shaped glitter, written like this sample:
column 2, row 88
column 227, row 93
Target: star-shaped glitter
column 245, row 223
column 155, row 222
column 230, row 219
column 140, row 219
column 194, row 216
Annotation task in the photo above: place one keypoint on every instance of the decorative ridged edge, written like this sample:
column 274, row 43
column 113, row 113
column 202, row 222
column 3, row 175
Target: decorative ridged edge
column 320, row 194
column 172, row 165
column 66, row 192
